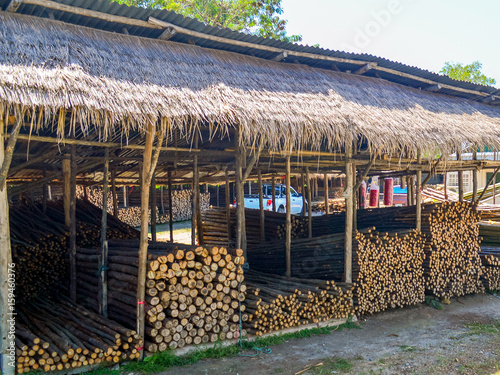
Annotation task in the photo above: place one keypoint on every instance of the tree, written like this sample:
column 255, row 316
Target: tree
column 470, row 73
column 258, row 17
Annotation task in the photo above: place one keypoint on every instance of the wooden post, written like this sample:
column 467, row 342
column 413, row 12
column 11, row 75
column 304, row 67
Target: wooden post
column 409, row 190
column 303, row 192
column 162, row 201
column 273, row 188
column 261, row 208
column 228, row 208
column 354, row 199
column 103, row 258
column 474, row 177
column 170, row 208
column 288, row 220
column 460, row 181
column 154, row 208
column 327, row 203
column 44, row 196
column 193, row 201
column 66, row 164
column 240, row 207
column 7, row 268
column 143, row 244
column 218, row 193
column 72, row 228
column 124, row 188
column 349, row 209
column 199, row 224
column 309, row 203
column 418, row 199
column 114, row 193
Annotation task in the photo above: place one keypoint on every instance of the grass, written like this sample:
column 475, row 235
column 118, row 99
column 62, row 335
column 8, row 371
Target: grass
column 165, row 360
column 481, row 329
column 407, row 348
column 330, row 365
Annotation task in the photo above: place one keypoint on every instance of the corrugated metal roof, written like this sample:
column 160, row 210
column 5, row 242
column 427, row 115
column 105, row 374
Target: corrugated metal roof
column 114, row 8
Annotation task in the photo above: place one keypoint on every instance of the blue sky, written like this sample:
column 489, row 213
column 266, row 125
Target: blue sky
column 422, row 33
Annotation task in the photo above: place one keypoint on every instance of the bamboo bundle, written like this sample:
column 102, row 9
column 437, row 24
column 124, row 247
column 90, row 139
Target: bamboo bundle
column 60, row 336
column 387, row 269
column 94, row 196
column 490, row 258
column 194, row 294
column 336, row 205
column 274, row 303
column 39, row 239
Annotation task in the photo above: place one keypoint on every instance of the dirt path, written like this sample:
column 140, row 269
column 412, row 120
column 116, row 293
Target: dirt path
column 415, row 340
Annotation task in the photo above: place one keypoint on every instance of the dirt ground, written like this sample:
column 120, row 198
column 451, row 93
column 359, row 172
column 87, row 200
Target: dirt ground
column 414, row 340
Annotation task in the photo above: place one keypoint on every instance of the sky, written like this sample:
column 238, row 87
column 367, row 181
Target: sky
column 422, row 33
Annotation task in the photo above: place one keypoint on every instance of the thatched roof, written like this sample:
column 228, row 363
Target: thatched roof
column 114, row 83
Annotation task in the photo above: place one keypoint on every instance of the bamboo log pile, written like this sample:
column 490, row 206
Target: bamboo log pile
column 61, row 336
column 299, row 228
column 490, row 258
column 336, row 205
column 387, row 269
column 94, row 196
column 452, row 266
column 194, row 294
column 40, row 243
column 275, row 303
column 181, row 209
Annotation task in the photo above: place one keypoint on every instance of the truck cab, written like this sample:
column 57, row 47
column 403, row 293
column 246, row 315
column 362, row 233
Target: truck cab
column 252, row 201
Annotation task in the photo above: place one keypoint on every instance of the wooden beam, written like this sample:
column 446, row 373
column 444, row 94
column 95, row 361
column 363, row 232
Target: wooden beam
column 433, row 88
column 167, row 34
column 7, row 271
column 8, row 152
column 261, row 209
column 13, row 6
column 288, row 222
column 365, row 68
column 103, row 258
column 170, row 208
column 418, row 200
column 72, row 228
column 280, row 56
column 349, row 205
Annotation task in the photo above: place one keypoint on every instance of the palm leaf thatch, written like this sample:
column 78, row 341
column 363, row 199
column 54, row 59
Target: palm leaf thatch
column 113, row 83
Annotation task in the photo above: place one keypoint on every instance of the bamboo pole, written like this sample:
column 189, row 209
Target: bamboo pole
column 288, row 220
column 162, row 204
column 114, row 193
column 474, row 177
column 240, row 208
column 5, row 261
column 44, row 192
column 124, row 188
column 354, row 200
column 309, row 203
column 170, row 209
column 72, row 228
column 153, row 208
column 199, row 223
column 218, row 195
column 194, row 201
column 103, row 275
column 273, row 188
column 418, row 199
column 261, row 208
column 228, row 208
column 488, row 184
column 349, row 204
column 66, row 165
column 327, row 205
column 303, row 192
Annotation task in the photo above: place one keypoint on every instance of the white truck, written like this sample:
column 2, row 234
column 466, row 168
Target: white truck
column 252, row 200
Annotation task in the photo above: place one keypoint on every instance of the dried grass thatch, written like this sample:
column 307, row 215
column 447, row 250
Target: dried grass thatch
column 115, row 83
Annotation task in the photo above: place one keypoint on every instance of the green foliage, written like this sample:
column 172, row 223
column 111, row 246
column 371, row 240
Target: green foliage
column 479, row 328
column 470, row 73
column 432, row 301
column 258, row 17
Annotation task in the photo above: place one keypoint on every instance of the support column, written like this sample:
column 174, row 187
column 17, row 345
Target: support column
column 124, row 188
column 7, row 268
column 288, row 220
column 349, row 205
column 474, row 177
column 44, row 193
column 199, row 224
column 354, row 199
column 162, row 201
column 72, row 228
column 273, row 188
column 114, row 193
column 327, row 205
column 228, row 208
column 170, row 208
column 418, row 199
column 303, row 192
column 218, row 193
column 240, row 203
column 103, row 258
column 261, row 208
column 309, row 203
column 154, row 208
column 66, row 164
column 460, row 181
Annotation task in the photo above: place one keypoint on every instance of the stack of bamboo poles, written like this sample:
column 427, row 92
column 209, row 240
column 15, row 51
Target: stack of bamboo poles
column 387, row 269
column 181, row 209
column 194, row 294
column 299, row 228
column 490, row 258
column 335, row 205
column 275, row 303
column 94, row 196
column 489, row 232
column 60, row 336
column 452, row 266
column 41, row 239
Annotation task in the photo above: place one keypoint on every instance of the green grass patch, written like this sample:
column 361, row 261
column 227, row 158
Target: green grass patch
column 407, row 348
column 480, row 329
column 330, row 365
column 165, row 360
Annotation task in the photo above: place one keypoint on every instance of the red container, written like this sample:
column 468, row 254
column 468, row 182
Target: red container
column 362, row 203
column 374, row 195
column 388, row 192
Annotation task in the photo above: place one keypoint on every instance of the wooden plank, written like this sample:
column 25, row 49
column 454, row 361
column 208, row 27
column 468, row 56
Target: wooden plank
column 103, row 259
column 262, row 220
column 72, row 228
column 349, row 206
column 170, row 208
column 288, row 220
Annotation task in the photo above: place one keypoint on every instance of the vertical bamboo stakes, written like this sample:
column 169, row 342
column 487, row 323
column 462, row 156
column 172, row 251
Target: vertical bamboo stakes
column 273, row 188
column 418, row 200
column 327, row 205
column 474, row 177
column 103, row 259
column 143, row 243
column 288, row 220
column 349, row 205
column 261, row 208
column 170, row 209
column 5, row 260
column 309, row 203
column 114, row 193
column 66, row 166
column 154, row 208
column 72, row 228
column 228, row 208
